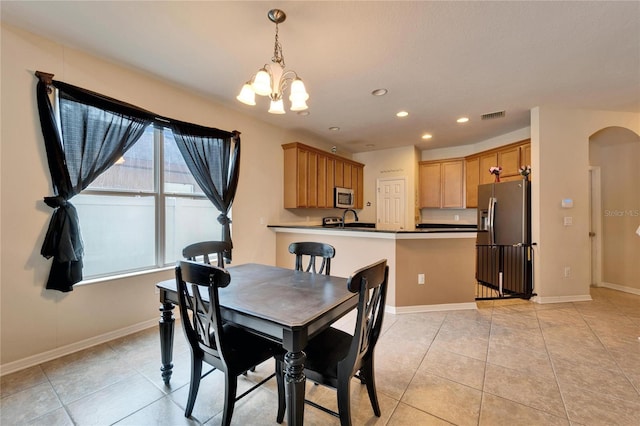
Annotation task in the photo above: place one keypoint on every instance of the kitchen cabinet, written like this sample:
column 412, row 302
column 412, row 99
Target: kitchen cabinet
column 441, row 183
column 310, row 175
column 509, row 157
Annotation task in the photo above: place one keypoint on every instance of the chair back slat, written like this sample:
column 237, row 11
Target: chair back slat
column 313, row 252
column 371, row 283
column 207, row 250
column 201, row 321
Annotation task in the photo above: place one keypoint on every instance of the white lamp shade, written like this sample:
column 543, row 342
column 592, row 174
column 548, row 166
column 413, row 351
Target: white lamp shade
column 298, row 104
column 298, row 91
column 277, row 107
column 262, row 83
column 247, row 95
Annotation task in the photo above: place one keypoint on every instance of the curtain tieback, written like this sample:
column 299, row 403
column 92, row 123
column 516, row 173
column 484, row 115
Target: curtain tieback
column 223, row 219
column 55, row 202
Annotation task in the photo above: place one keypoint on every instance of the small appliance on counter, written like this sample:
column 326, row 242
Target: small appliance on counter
column 331, row 221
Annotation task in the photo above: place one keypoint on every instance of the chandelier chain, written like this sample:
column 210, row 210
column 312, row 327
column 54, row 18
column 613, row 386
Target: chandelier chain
column 278, row 56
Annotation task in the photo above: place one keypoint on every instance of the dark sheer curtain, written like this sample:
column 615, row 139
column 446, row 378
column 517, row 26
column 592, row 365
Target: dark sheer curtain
column 94, row 132
column 213, row 157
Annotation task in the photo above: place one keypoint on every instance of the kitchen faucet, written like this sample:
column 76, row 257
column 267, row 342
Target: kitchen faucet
column 345, row 213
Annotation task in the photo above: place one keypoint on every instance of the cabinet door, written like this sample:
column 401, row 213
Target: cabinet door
column 357, row 173
column 339, row 173
column 347, row 178
column 430, row 185
column 525, row 155
column 452, row 184
column 331, row 182
column 312, row 180
column 472, row 177
column 322, row 181
column 509, row 160
column 486, row 162
column 303, row 178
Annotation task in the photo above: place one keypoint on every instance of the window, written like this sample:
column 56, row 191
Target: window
column 143, row 210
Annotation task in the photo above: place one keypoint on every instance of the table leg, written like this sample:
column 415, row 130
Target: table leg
column 166, row 325
column 295, row 384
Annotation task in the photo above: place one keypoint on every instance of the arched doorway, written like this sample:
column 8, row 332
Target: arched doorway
column 614, row 159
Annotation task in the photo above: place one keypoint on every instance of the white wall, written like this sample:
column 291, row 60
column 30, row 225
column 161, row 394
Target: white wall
column 560, row 161
column 43, row 323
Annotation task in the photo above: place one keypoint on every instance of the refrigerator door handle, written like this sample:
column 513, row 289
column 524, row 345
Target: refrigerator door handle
column 490, row 220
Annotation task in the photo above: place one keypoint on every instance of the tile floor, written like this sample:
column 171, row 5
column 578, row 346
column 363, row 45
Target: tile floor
column 508, row 363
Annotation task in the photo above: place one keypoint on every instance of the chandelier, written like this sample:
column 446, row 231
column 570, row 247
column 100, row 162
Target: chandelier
column 272, row 79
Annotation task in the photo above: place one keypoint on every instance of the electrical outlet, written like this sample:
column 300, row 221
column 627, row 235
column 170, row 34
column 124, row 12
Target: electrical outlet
column 567, row 271
column 420, row 278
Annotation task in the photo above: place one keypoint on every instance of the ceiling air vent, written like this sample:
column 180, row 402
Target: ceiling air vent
column 492, row 115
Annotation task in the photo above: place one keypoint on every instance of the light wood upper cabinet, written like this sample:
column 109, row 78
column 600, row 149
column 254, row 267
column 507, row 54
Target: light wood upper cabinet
column 310, row 176
column 509, row 160
column 472, row 179
column 509, row 157
column 441, row 184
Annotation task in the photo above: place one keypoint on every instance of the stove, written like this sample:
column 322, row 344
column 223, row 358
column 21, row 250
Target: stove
column 331, row 221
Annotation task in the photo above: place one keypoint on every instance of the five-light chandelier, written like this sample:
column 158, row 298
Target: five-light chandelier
column 272, row 79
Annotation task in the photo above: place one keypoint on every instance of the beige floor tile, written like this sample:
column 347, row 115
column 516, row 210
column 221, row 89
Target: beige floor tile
column 527, row 338
column 21, row 380
column 596, row 408
column 498, row 411
column 29, row 404
column 450, row 401
column 522, row 387
column 163, row 411
column 463, row 344
column 523, row 359
column 405, row 415
column 457, row 368
column 57, row 417
column 115, row 402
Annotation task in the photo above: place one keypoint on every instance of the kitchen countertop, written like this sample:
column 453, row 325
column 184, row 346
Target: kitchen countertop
column 422, row 231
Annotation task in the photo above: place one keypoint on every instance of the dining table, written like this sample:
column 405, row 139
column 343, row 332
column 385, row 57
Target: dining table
column 283, row 305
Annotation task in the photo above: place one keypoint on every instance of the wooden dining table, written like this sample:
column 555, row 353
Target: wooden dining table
column 284, row 305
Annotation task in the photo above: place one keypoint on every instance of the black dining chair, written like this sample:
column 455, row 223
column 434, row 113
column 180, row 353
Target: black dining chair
column 229, row 349
column 313, row 250
column 334, row 356
column 207, row 250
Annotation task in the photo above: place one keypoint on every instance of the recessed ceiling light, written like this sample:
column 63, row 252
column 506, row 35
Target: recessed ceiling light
column 334, row 129
column 379, row 92
column 427, row 136
column 462, row 119
column 402, row 114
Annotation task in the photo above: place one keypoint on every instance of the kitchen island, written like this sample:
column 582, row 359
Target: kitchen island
column 445, row 256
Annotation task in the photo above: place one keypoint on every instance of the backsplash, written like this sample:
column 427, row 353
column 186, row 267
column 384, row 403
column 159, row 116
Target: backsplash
column 464, row 216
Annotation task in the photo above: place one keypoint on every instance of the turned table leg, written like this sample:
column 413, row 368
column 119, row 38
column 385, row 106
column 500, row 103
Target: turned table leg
column 166, row 325
column 295, row 384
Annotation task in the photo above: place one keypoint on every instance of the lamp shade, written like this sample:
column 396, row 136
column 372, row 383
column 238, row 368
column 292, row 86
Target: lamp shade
column 262, row 83
column 247, row 95
column 298, row 91
column 277, row 107
column 298, row 105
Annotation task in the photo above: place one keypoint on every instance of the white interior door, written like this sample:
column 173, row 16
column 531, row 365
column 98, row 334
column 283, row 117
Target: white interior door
column 391, row 201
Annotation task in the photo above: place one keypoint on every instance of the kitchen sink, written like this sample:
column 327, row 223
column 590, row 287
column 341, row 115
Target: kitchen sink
column 360, row 225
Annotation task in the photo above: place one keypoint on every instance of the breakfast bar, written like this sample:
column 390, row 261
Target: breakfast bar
column 430, row 268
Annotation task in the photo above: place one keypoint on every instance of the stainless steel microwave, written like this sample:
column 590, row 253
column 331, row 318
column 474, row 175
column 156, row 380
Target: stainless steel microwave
column 343, row 198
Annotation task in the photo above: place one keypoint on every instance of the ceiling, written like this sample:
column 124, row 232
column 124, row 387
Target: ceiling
column 438, row 60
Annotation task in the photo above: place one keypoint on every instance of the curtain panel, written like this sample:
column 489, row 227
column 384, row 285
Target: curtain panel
column 94, row 132
column 213, row 158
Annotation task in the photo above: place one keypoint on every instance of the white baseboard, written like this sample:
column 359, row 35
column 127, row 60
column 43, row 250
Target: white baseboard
column 30, row 361
column 620, row 288
column 430, row 308
column 561, row 299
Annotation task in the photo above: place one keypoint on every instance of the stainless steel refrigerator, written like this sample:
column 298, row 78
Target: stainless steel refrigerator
column 503, row 244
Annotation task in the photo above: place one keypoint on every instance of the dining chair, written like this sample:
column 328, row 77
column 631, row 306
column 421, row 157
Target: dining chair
column 229, row 349
column 334, row 356
column 313, row 250
column 207, row 250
